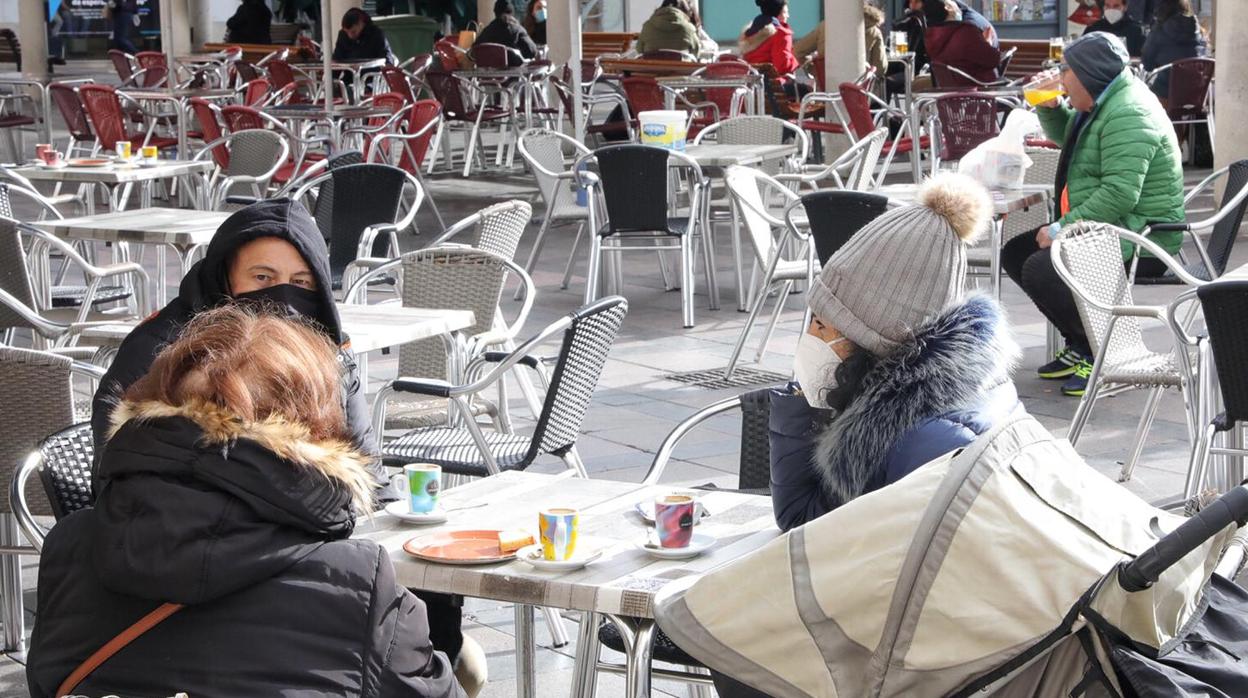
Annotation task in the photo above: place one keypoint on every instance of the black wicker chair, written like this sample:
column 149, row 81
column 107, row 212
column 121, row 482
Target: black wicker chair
column 754, row 477
column 835, row 215
column 1223, row 227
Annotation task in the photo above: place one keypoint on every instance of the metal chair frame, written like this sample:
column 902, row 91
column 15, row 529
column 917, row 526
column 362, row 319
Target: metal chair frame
column 861, row 159
column 221, row 182
column 554, row 188
column 403, row 119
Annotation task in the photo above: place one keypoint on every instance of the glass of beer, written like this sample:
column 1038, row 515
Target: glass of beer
column 901, row 42
column 1044, row 88
column 1056, row 45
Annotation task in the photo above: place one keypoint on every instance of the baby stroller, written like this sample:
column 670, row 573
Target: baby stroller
column 1008, row 569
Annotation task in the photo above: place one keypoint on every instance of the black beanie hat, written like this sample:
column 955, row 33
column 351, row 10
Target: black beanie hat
column 771, row 8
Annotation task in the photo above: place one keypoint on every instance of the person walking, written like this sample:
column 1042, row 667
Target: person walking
column 1120, row 164
column 125, row 17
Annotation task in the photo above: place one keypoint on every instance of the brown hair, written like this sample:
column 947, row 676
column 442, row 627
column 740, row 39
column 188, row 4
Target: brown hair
column 1169, row 8
column 255, row 365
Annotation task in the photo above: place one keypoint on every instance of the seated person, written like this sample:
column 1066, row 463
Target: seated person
column 872, row 21
column 1176, row 34
column 898, row 366
column 231, row 486
column 535, row 21
column 959, row 44
column 769, row 39
column 250, row 23
column 1115, row 20
column 670, row 28
column 506, row 30
column 1120, row 164
column 360, row 39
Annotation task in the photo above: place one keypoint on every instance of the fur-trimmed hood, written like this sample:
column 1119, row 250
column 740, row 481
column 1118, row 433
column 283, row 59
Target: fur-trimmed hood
column 195, row 502
column 747, row 43
column 950, row 365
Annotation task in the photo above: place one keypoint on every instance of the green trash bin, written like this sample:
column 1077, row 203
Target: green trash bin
column 408, row 34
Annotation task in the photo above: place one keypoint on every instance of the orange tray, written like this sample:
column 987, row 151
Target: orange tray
column 479, row 547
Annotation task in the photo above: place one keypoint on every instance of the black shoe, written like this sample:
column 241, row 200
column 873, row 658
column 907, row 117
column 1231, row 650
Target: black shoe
column 1077, row 384
column 1063, row 366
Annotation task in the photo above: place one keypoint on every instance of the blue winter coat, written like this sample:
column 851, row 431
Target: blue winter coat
column 932, row 396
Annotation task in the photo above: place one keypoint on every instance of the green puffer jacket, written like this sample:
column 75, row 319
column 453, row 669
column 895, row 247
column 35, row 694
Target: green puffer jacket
column 668, row 28
column 1127, row 168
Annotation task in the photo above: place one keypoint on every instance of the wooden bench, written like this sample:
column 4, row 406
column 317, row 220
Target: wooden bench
column 252, row 53
column 1029, row 59
column 594, row 44
column 637, row 66
column 10, row 49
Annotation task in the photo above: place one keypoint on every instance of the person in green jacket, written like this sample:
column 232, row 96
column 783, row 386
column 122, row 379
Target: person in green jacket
column 670, row 27
column 1120, row 164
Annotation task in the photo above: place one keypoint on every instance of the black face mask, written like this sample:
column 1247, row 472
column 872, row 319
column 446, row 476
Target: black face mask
column 285, row 299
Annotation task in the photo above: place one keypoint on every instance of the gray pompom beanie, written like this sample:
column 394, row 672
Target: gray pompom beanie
column 903, row 268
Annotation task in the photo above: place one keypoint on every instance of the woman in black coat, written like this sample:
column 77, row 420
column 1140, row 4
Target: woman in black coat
column 1176, row 35
column 251, row 23
column 230, row 488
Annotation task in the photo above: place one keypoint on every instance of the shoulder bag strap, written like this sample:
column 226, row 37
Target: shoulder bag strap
column 115, row 645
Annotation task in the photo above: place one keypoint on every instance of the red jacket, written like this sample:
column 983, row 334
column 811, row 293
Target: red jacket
column 776, row 48
column 963, row 46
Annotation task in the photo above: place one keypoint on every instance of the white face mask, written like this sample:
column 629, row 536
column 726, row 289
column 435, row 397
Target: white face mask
column 1113, row 16
column 954, row 12
column 814, row 365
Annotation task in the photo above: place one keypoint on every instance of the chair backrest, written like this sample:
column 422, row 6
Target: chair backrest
column 254, row 152
column 966, row 120
column 206, row 117
column 446, row 89
column 501, row 226
column 755, row 461
column 240, row 118
column 758, row 130
column 364, row 195
column 1091, row 253
column 323, row 210
column 836, row 215
column 70, row 106
column 392, row 103
column 257, row 91
column 397, row 82
column 634, row 187
column 246, row 71
column 583, row 353
column 103, row 107
column 123, row 66
column 280, row 73
column 154, row 66
column 1225, row 305
column 422, row 113
column 643, row 94
column 1222, row 238
column 730, row 100
column 544, row 150
column 489, row 55
column 1190, row 79
column 14, row 271
column 65, row 469
column 857, row 108
column 743, row 185
column 945, row 77
column 454, row 278
column 446, row 53
column 40, row 382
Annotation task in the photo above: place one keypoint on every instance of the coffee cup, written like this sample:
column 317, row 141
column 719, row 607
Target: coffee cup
column 49, row 157
column 420, row 483
column 124, row 150
column 674, row 519
column 150, row 153
column 40, row 149
column 557, row 528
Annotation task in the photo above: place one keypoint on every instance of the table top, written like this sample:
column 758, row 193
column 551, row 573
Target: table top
column 116, row 174
column 623, row 581
column 1004, row 200
column 370, row 327
column 353, row 64
column 11, row 78
column 175, row 93
column 715, row 155
column 318, row 112
column 201, row 58
column 172, row 226
column 694, row 81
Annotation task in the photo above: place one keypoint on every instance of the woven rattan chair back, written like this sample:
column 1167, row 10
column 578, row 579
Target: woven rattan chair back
column 490, row 55
column 1190, row 79
column 755, row 465
column 65, row 469
column 155, row 67
column 121, row 63
column 835, row 216
column 1043, row 171
column 364, row 195
column 14, row 275
column 210, row 127
column 323, row 209
column 39, row 382
column 501, row 227
column 634, row 187
column 583, row 353
column 452, row 278
column 753, row 130
column 966, row 120
column 104, row 108
column 253, row 153
column 240, row 118
column 547, row 148
column 1225, row 304
column 1093, row 255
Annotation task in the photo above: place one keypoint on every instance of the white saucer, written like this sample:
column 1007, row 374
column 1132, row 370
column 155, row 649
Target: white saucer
column 699, row 544
column 60, row 165
column 399, row 510
column 532, row 554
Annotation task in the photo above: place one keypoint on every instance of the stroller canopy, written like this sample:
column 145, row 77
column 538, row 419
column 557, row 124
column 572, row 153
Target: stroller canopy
column 976, row 565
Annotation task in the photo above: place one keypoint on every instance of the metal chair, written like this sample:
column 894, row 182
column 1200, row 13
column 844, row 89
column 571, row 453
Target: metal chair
column 750, row 189
column 587, row 336
column 853, row 169
column 41, row 382
column 81, row 137
column 494, row 56
column 103, row 106
column 644, row 93
column 861, row 122
column 1189, row 92
column 366, row 204
column 544, row 151
column 835, row 216
column 754, row 475
column 63, row 462
column 153, row 69
column 1223, row 227
column 254, row 158
column 633, row 182
column 412, row 141
column 256, row 93
column 759, row 130
column 730, row 101
column 123, row 63
column 449, row 90
column 962, row 122
column 1088, row 258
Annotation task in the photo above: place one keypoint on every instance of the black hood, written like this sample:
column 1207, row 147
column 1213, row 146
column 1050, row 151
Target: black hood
column 195, row 505
column 205, row 285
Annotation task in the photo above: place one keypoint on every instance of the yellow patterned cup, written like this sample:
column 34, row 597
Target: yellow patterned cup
column 557, row 528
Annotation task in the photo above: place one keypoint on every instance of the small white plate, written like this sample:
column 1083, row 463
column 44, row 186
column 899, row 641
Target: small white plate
column 532, row 554
column 700, row 543
column 60, row 165
column 399, row 510
column 143, row 162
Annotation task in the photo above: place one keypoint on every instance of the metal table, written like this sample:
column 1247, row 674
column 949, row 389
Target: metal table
column 679, row 83
column 355, row 67
column 41, row 84
column 179, row 98
column 1004, row 202
column 117, row 174
column 621, row 584
column 332, row 117
column 907, row 61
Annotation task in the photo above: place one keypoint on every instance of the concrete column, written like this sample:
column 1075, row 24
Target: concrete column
column 485, row 12
column 1231, row 98
column 338, row 8
column 180, row 17
column 636, row 12
column 844, row 46
column 32, row 33
column 203, row 27
column 563, row 37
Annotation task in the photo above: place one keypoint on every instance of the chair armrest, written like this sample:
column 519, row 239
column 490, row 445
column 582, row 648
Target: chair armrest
column 530, row 361
column 1157, row 312
column 376, row 267
column 423, row 386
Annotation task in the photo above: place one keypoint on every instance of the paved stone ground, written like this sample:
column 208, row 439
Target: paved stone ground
column 637, row 404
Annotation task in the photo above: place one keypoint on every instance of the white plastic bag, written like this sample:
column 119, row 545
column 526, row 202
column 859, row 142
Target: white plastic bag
column 1000, row 162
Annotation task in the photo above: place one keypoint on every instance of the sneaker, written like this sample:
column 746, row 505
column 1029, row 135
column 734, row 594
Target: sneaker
column 1063, row 366
column 1077, row 384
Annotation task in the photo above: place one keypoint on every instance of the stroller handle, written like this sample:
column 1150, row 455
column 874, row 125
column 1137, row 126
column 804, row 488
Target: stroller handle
column 1143, row 571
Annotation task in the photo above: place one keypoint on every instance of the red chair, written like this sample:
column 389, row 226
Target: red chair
column 210, row 129
column 419, row 126
column 731, row 101
column 645, row 94
column 237, row 117
column 153, row 69
column 446, row 54
column 966, row 120
column 1189, row 93
column 495, row 56
column 256, row 92
column 394, row 103
column 448, row 89
column 103, row 107
column 240, row 118
column 67, row 102
column 857, row 104
column 397, row 81
column 123, row 63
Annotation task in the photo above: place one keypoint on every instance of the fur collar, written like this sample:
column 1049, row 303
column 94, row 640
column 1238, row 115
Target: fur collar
column 335, row 459
column 746, row 44
column 951, row 364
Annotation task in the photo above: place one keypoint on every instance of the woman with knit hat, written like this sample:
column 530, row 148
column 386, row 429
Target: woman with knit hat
column 898, row 365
